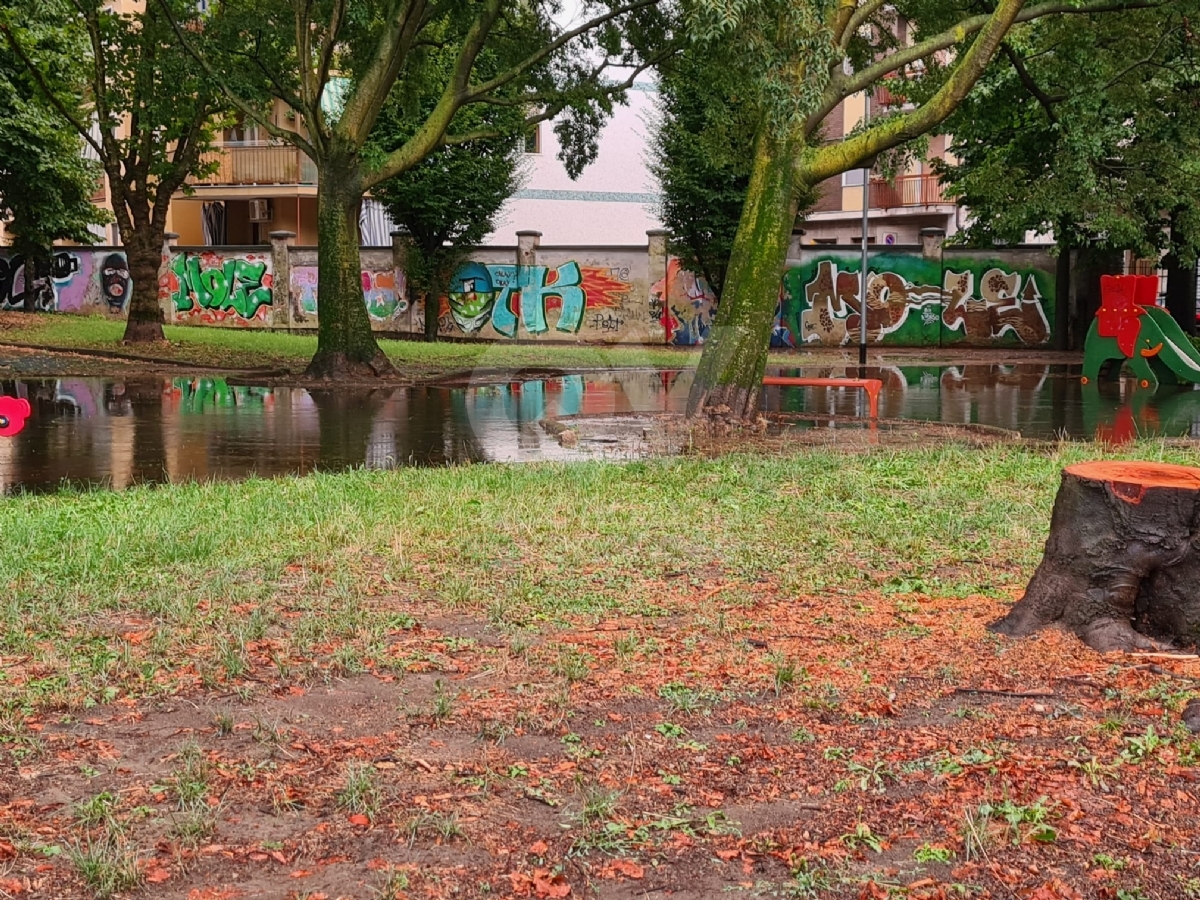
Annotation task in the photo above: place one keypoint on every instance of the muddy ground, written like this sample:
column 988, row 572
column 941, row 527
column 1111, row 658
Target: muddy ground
column 734, row 743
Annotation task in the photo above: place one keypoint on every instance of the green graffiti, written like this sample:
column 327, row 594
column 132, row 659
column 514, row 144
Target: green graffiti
column 913, row 301
column 236, row 285
column 202, row 395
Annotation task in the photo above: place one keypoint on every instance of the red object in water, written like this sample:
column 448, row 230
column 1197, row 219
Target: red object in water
column 871, row 385
column 13, row 413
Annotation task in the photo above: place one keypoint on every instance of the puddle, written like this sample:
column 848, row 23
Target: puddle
column 150, row 430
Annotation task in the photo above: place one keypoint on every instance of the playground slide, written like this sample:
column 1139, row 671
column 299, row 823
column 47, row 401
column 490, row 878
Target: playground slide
column 1178, row 354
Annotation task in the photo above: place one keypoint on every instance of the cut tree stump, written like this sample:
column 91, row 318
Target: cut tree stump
column 1122, row 564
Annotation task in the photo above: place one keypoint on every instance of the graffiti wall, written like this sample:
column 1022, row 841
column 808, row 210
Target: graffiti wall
column 78, row 281
column 502, row 300
column 684, row 306
column 585, row 295
column 220, row 286
column 915, row 301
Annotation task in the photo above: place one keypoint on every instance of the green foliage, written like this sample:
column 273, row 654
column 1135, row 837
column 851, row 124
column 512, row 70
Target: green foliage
column 449, row 201
column 121, row 85
column 46, row 185
column 1089, row 127
column 701, row 155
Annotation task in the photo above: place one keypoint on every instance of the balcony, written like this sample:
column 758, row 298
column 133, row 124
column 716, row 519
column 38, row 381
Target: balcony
column 241, row 164
column 908, row 190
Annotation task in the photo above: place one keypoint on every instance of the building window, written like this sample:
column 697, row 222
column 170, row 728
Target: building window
column 533, row 139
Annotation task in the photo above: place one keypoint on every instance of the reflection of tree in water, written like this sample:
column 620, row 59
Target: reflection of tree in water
column 345, row 420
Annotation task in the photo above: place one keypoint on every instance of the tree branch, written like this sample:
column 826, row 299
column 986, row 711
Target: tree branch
column 566, row 37
column 1047, row 102
column 844, row 86
column 832, row 159
column 860, row 17
column 55, row 101
column 291, row 137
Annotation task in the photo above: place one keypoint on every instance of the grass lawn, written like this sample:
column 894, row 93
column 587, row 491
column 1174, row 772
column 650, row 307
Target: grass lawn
column 241, row 348
column 749, row 675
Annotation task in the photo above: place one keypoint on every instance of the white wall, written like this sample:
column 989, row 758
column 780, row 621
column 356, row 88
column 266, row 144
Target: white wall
column 610, row 203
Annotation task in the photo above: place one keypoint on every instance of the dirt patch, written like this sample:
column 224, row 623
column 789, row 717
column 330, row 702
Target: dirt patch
column 802, row 747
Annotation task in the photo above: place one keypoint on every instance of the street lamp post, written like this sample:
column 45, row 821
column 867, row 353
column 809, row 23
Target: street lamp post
column 862, row 286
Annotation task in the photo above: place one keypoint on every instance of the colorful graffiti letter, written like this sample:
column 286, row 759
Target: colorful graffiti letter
column 237, row 285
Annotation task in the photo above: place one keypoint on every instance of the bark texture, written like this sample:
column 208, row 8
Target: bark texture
column 346, row 346
column 144, row 317
column 729, row 378
column 1122, row 564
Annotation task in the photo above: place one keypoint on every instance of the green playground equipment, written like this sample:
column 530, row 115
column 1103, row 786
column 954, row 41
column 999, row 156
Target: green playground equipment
column 1131, row 327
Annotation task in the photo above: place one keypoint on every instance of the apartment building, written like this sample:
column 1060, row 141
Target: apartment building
column 897, row 210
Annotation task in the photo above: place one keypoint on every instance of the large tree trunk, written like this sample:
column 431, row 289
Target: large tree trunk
column 144, row 317
column 346, row 346
column 1122, row 563
column 729, row 378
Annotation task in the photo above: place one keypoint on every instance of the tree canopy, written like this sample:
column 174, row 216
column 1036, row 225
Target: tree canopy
column 145, row 111
column 1088, row 128
column 46, row 185
column 273, row 52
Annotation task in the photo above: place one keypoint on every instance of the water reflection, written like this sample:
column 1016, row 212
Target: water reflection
column 118, row 433
column 1035, row 400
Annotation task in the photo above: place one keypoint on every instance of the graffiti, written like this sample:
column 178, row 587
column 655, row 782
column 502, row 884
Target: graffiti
column 203, row 395
column 607, row 322
column 215, row 287
column 1006, row 307
column 21, row 288
column 685, row 306
column 912, row 301
column 382, row 298
column 383, row 292
column 513, row 297
column 114, row 281
column 304, row 289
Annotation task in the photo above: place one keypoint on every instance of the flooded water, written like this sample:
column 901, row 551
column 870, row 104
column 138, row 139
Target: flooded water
column 118, row 433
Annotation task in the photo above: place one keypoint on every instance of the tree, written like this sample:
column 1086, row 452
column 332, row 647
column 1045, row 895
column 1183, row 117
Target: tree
column 280, row 51
column 46, row 185
column 1090, row 129
column 700, row 155
column 448, row 202
column 148, row 115
column 807, row 57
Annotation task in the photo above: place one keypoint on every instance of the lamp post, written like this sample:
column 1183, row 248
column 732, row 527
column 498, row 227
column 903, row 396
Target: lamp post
column 862, row 286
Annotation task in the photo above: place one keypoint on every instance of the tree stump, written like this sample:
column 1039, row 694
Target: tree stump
column 1122, row 563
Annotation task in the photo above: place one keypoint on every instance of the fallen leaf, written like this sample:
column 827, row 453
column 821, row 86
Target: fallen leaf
column 628, row 868
column 538, row 848
column 158, row 875
column 299, row 873
column 12, row 886
column 547, row 885
column 358, row 819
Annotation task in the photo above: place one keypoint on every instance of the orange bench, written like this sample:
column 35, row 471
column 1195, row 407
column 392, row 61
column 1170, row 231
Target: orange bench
column 871, row 385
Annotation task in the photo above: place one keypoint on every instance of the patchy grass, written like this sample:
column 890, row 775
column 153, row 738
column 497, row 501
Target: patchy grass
column 243, row 348
column 116, row 594
column 732, row 675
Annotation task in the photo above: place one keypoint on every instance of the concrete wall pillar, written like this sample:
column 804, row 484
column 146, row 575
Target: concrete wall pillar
column 931, row 242
column 401, row 242
column 281, row 279
column 658, row 256
column 527, row 247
